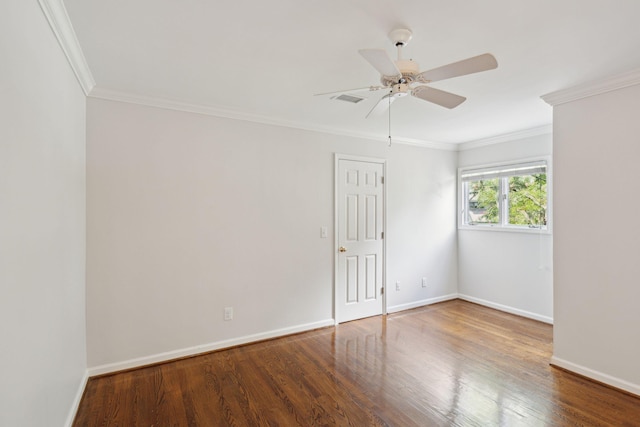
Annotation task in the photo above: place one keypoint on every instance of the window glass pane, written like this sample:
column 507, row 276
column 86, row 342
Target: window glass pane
column 483, row 202
column 528, row 200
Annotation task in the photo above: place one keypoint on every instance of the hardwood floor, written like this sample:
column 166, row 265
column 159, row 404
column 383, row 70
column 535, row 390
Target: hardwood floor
column 449, row 364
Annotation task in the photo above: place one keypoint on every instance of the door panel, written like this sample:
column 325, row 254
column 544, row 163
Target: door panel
column 352, row 218
column 351, row 278
column 359, row 278
column 370, row 276
column 371, row 230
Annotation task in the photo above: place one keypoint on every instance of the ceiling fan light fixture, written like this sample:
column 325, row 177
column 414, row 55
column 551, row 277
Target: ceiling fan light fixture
column 400, row 90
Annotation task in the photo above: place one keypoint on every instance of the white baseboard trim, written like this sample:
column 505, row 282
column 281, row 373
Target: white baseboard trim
column 507, row 309
column 76, row 401
column 421, row 303
column 596, row 375
column 204, row 348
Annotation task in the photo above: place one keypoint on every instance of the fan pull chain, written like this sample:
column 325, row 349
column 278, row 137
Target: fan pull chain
column 389, row 121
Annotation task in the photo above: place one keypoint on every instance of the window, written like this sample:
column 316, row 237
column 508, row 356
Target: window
column 508, row 196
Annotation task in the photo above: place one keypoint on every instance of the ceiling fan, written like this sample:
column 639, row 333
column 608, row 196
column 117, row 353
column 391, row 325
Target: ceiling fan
column 403, row 77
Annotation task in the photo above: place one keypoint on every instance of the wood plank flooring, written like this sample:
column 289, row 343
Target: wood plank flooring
column 448, row 364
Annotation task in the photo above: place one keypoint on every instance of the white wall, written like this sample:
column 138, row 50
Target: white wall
column 188, row 214
column 42, row 223
column 596, row 249
column 511, row 271
column 421, row 226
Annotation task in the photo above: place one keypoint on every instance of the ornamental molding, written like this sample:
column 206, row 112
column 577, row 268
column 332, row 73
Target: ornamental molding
column 59, row 21
column 592, row 88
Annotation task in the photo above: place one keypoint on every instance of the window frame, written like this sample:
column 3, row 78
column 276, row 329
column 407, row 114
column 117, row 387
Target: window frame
column 503, row 202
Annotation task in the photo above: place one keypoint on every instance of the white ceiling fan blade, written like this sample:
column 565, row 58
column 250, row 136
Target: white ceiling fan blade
column 360, row 89
column 437, row 96
column 380, row 60
column 381, row 105
column 461, row 68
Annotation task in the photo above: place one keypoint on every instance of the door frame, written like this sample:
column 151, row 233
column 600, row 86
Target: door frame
column 336, row 179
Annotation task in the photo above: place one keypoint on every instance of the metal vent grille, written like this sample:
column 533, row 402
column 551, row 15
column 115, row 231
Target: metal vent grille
column 349, row 98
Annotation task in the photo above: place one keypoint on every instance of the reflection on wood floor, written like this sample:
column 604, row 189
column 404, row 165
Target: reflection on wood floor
column 449, row 364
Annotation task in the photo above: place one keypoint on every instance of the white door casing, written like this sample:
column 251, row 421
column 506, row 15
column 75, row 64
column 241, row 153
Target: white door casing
column 359, row 275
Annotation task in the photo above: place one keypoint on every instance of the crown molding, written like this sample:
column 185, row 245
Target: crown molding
column 592, row 88
column 59, row 21
column 167, row 104
column 511, row 136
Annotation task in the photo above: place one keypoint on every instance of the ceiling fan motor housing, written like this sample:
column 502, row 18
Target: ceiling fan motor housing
column 407, row 66
column 409, row 70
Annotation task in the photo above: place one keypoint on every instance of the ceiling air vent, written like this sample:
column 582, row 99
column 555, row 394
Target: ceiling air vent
column 349, row 98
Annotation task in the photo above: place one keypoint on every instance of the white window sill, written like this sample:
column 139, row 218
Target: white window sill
column 503, row 229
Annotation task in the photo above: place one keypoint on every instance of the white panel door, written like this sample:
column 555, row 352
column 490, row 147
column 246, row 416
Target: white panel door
column 359, row 275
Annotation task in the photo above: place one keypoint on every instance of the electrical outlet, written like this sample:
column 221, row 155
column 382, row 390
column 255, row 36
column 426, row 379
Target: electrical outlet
column 397, row 286
column 424, row 282
column 228, row 313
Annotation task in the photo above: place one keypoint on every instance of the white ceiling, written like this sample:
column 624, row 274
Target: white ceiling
column 266, row 59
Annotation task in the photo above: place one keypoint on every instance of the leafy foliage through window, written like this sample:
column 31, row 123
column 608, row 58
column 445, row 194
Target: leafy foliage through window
column 507, row 196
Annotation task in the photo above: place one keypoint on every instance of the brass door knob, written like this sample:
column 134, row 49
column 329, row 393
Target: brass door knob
column 342, row 249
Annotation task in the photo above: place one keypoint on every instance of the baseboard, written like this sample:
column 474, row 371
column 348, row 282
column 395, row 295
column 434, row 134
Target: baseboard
column 507, row 309
column 596, row 376
column 76, row 401
column 204, row 348
column 421, row 303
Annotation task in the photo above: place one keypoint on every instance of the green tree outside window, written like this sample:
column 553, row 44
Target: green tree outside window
column 527, row 200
